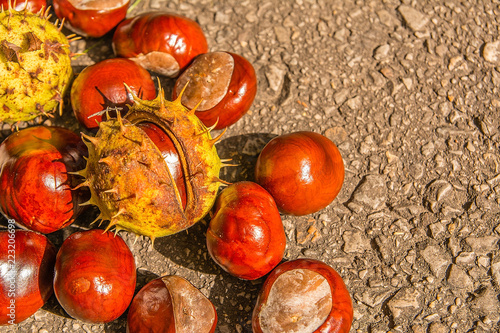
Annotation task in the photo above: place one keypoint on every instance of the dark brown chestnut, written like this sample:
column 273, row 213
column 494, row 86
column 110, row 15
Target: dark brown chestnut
column 94, row 276
column 26, row 272
column 102, row 85
column 223, row 83
column 91, row 18
column 303, row 295
column 35, row 186
column 303, row 171
column 171, row 304
column 33, row 6
column 246, row 236
column 162, row 42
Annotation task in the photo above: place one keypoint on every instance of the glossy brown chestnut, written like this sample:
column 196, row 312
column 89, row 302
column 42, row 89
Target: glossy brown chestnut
column 159, row 41
column 35, row 187
column 303, row 171
column 224, row 83
column 246, row 236
column 171, row 304
column 94, row 276
column 26, row 272
column 91, row 18
column 303, row 295
column 32, row 6
column 170, row 155
column 101, row 85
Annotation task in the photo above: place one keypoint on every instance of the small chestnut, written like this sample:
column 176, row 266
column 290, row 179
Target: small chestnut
column 171, row 304
column 35, row 184
column 101, row 85
column 170, row 156
column 246, row 236
column 91, row 18
column 94, row 276
column 224, row 82
column 26, row 271
column 33, row 6
column 162, row 42
column 303, row 295
column 303, row 171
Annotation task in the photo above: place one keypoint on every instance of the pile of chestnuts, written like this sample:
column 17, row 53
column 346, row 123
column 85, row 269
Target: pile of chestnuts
column 93, row 273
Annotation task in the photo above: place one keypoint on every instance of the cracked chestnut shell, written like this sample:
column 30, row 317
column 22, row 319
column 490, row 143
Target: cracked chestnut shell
column 303, row 295
column 32, row 6
column 303, row 171
column 224, row 82
column 91, row 18
column 26, row 271
column 102, row 86
column 94, row 276
column 245, row 236
column 162, row 42
column 35, row 186
column 171, row 304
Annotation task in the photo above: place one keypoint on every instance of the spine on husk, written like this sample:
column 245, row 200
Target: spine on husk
column 131, row 183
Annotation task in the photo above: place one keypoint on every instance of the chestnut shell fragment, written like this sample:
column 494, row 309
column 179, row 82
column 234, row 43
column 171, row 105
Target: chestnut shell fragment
column 171, row 304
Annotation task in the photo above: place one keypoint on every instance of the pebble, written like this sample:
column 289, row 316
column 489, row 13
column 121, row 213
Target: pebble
column 437, row 259
column 483, row 245
column 414, row 19
column 381, row 52
column 459, row 279
column 355, row 242
column 491, row 52
column 486, row 302
column 371, row 192
column 275, row 77
column 406, row 303
column 465, row 258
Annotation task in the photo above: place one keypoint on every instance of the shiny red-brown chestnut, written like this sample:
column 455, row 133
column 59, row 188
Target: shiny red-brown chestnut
column 223, row 83
column 170, row 155
column 35, row 187
column 91, row 18
column 162, row 42
column 26, row 272
column 102, row 86
column 303, row 295
column 171, row 304
column 95, row 276
column 246, row 236
column 303, row 171
column 33, row 6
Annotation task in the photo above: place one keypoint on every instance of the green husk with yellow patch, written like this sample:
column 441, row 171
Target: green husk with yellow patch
column 35, row 66
column 131, row 183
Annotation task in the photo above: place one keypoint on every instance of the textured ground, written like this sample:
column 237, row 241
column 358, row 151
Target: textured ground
column 409, row 91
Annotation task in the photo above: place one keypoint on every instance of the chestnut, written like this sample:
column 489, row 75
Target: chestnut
column 303, row 295
column 170, row 156
column 33, row 6
column 171, row 304
column 94, row 276
column 26, row 272
column 91, row 18
column 101, row 85
column 162, row 42
column 245, row 235
column 224, row 82
column 35, row 186
column 303, row 171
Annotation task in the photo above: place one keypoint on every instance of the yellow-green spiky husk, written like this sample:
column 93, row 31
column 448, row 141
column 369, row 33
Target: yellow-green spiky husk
column 35, row 66
column 131, row 183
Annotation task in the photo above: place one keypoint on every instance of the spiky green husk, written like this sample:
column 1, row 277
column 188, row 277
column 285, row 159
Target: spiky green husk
column 131, row 183
column 35, row 66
